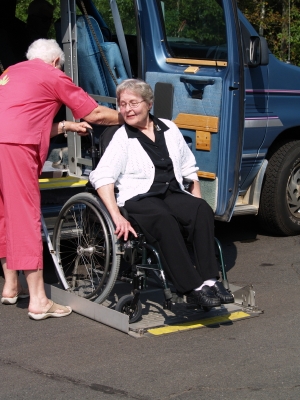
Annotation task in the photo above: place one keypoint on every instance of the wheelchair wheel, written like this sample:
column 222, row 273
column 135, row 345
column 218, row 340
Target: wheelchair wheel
column 124, row 306
column 86, row 248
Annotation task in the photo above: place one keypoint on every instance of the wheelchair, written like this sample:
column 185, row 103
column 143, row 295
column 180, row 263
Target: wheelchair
column 90, row 254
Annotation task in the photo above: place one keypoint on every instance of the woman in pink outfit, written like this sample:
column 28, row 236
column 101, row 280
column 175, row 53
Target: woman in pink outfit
column 31, row 94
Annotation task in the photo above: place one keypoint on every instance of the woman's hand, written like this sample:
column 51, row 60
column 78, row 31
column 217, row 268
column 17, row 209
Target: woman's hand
column 65, row 126
column 79, row 127
column 123, row 227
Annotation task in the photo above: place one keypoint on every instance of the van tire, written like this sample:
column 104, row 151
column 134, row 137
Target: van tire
column 280, row 200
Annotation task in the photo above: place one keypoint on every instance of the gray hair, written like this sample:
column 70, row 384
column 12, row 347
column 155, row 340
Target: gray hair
column 47, row 50
column 137, row 86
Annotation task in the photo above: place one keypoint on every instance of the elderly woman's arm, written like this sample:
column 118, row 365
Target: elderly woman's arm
column 195, row 189
column 102, row 115
column 65, row 126
column 123, row 227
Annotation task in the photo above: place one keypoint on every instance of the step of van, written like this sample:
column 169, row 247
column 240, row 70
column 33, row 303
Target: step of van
column 245, row 209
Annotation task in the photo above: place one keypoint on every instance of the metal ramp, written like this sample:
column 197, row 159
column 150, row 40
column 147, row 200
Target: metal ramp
column 155, row 320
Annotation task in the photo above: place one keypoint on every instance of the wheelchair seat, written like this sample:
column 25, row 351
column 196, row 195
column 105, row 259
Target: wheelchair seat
column 106, row 137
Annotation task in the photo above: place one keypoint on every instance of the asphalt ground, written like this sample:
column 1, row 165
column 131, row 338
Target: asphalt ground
column 256, row 358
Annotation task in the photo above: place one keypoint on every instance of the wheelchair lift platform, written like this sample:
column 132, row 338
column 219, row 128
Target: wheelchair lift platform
column 157, row 321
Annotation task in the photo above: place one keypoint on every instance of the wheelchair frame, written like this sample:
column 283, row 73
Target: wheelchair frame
column 88, row 254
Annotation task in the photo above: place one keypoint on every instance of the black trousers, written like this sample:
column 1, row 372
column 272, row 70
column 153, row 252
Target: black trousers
column 163, row 220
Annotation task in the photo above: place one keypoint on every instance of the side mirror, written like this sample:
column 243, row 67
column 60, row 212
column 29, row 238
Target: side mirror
column 264, row 51
column 258, row 51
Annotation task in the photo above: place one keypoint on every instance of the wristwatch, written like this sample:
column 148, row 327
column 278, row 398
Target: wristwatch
column 64, row 128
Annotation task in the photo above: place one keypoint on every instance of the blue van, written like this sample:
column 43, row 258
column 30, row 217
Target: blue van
column 236, row 104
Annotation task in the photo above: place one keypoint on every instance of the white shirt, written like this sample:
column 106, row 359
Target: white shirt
column 126, row 164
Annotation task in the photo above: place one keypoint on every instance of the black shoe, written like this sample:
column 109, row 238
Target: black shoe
column 223, row 294
column 204, row 297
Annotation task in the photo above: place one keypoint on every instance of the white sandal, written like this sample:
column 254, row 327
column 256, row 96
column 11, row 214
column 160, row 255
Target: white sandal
column 13, row 300
column 52, row 312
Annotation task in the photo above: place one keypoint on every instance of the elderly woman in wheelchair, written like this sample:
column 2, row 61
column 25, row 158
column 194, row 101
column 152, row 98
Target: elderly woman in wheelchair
column 148, row 161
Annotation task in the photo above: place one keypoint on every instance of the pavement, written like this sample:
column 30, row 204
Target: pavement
column 256, row 358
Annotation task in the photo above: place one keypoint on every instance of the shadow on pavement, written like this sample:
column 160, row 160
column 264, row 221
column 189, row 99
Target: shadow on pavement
column 243, row 229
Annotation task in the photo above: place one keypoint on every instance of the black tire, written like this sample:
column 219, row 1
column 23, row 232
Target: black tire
column 279, row 210
column 123, row 306
column 85, row 246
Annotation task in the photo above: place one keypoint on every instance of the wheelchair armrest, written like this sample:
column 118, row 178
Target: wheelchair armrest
column 90, row 188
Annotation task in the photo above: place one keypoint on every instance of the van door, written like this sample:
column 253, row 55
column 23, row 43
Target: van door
column 257, row 116
column 191, row 55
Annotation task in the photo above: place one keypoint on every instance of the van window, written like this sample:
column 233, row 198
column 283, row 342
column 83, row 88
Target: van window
column 126, row 11
column 128, row 17
column 194, row 29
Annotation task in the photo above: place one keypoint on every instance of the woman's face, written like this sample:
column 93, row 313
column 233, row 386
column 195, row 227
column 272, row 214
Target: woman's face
column 134, row 109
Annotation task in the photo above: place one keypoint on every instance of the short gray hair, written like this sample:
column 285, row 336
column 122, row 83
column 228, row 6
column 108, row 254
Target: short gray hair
column 47, row 50
column 137, row 86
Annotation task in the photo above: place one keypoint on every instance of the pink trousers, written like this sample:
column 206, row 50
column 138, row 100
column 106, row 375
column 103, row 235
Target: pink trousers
column 20, row 208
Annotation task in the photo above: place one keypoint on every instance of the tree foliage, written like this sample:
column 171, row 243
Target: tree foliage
column 198, row 20
column 22, row 7
column 279, row 22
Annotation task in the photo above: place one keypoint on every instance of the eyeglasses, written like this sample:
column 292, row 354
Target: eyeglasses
column 131, row 104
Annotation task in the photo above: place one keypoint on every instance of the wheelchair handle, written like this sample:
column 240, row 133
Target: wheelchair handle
column 93, row 148
column 91, row 134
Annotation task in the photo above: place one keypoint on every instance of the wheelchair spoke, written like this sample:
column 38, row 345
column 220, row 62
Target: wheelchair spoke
column 83, row 249
column 85, row 246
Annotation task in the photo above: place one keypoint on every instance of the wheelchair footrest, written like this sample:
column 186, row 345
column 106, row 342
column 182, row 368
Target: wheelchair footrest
column 168, row 294
column 168, row 299
column 178, row 299
column 167, row 305
column 135, row 300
